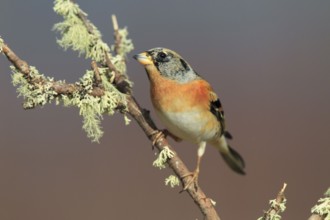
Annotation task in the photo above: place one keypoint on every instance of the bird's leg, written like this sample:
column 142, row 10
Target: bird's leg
column 194, row 175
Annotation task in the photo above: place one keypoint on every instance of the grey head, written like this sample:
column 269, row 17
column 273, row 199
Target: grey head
column 171, row 65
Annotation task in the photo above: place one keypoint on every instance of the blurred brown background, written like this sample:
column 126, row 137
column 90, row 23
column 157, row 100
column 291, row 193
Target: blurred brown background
column 267, row 60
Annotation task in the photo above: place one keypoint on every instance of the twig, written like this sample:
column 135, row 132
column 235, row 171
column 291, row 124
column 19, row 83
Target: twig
column 95, row 68
column 58, row 86
column 85, row 20
column 316, row 217
column 120, row 79
column 277, row 205
column 116, row 33
column 20, row 64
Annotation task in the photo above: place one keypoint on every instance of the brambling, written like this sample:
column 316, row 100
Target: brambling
column 187, row 105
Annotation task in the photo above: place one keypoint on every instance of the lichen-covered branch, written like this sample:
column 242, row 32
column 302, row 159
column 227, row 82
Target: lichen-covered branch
column 59, row 87
column 277, row 206
column 92, row 98
column 81, row 35
column 94, row 94
column 321, row 211
column 101, row 90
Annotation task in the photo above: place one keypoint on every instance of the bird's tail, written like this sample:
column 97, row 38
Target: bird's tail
column 232, row 157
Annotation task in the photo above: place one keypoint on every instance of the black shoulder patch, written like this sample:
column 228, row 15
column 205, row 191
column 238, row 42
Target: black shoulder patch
column 216, row 109
column 184, row 64
column 217, row 103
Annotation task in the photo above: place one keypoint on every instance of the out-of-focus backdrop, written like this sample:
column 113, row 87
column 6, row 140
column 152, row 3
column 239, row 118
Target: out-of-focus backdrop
column 267, row 60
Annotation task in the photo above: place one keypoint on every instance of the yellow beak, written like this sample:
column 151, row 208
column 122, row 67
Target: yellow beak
column 143, row 58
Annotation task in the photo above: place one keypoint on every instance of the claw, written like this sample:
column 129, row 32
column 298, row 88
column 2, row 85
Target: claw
column 192, row 180
column 163, row 134
column 158, row 135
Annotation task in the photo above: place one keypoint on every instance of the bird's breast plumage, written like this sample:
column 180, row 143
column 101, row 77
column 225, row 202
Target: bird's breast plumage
column 184, row 108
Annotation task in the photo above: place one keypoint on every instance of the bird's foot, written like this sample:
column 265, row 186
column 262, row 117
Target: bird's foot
column 158, row 135
column 192, row 181
column 163, row 134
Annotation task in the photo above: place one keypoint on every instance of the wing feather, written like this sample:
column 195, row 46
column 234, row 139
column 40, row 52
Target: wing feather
column 217, row 110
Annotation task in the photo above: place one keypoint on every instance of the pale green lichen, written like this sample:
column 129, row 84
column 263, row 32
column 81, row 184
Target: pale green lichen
column 36, row 94
column 75, row 34
column 38, row 91
column 172, row 181
column 66, row 8
column 85, row 40
column 323, row 206
column 126, row 44
column 162, row 158
column 79, row 34
column 274, row 205
column 127, row 120
column 92, row 108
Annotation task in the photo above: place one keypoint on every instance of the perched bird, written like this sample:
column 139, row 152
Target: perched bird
column 187, row 105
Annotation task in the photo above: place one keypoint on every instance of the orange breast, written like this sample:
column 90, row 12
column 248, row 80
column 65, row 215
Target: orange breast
column 169, row 95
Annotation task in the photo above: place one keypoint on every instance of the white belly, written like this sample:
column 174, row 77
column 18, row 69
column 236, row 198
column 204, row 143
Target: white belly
column 187, row 126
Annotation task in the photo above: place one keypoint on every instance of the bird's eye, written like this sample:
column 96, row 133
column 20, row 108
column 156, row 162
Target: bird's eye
column 162, row 55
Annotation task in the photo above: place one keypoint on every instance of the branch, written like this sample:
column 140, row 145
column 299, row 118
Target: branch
column 97, row 76
column 277, row 206
column 58, row 86
column 116, row 33
column 316, row 217
column 321, row 211
column 140, row 115
column 120, row 80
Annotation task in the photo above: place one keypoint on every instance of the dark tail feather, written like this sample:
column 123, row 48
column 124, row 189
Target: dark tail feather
column 234, row 160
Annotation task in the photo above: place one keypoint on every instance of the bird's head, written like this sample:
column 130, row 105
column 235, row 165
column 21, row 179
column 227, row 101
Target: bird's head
column 168, row 63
